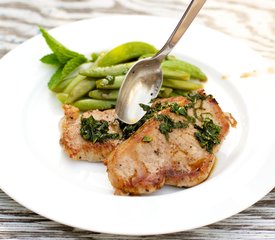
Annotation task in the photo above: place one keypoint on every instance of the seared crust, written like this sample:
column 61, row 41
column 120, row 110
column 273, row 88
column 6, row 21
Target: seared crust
column 75, row 146
column 137, row 167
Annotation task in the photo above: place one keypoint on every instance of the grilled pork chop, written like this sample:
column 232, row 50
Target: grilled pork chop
column 75, row 146
column 182, row 157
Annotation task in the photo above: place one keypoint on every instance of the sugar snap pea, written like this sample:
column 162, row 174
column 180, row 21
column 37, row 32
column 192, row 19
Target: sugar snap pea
column 167, row 74
column 62, row 97
column 194, row 71
column 104, row 94
column 95, row 84
column 62, row 85
column 81, row 89
column 88, row 104
column 126, row 52
column 115, row 70
column 175, row 74
column 105, row 83
column 183, row 85
column 76, row 80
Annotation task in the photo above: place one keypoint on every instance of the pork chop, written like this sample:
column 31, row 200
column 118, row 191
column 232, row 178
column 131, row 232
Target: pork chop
column 75, row 146
column 182, row 156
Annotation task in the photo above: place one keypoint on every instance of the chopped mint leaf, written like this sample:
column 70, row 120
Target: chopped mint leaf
column 50, row 59
column 65, row 59
column 62, row 53
column 55, row 79
column 72, row 65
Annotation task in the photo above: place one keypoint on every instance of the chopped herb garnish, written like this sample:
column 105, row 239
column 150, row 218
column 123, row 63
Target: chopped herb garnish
column 96, row 131
column 183, row 111
column 167, row 124
column 207, row 131
column 147, row 139
column 110, row 79
column 194, row 97
column 128, row 130
column 208, row 134
column 145, row 107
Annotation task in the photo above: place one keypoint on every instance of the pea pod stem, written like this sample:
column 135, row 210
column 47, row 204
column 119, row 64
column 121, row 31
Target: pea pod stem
column 99, row 57
column 94, row 56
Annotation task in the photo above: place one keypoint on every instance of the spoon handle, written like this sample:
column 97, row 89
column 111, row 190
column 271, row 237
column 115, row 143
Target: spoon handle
column 185, row 21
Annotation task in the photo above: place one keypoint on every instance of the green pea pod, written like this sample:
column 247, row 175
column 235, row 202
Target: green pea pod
column 81, row 89
column 104, row 94
column 193, row 70
column 183, row 85
column 175, row 74
column 91, row 104
column 168, row 72
column 73, row 83
column 61, row 86
column 62, row 97
column 105, row 83
column 126, row 52
column 99, row 72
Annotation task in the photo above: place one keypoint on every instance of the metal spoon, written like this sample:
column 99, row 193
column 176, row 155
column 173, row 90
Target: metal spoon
column 144, row 79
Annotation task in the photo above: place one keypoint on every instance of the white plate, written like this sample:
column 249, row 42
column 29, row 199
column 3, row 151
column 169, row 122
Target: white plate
column 35, row 172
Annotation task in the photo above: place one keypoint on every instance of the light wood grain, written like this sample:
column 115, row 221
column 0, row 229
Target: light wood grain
column 257, row 222
column 251, row 21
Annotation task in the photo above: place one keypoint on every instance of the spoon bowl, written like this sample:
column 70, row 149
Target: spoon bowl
column 144, row 79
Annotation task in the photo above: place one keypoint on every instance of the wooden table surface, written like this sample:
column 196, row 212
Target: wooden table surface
column 252, row 21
